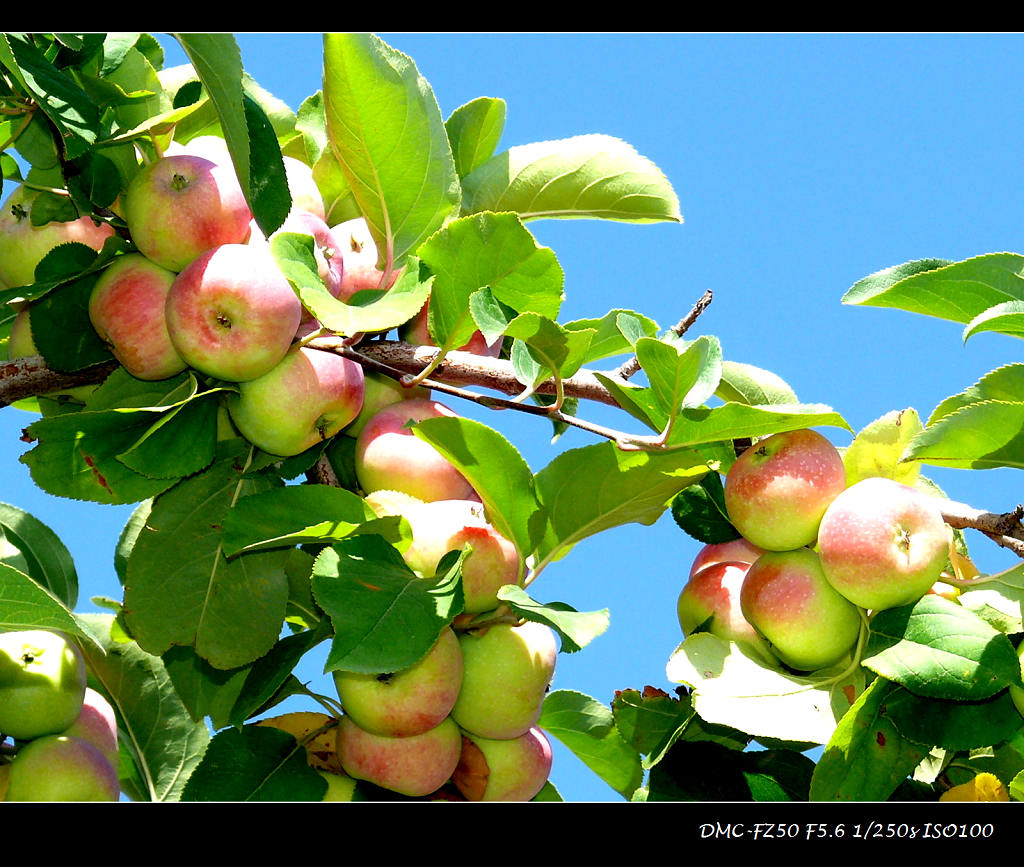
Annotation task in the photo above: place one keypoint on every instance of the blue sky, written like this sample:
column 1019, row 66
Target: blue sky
column 802, row 163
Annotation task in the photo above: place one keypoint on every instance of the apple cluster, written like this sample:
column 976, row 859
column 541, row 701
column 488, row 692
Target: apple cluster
column 814, row 554
column 64, row 733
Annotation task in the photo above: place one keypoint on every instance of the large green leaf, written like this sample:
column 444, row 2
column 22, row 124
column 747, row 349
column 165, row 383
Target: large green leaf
column 161, row 741
column 1005, row 318
column 389, row 139
column 231, row 611
column 959, row 291
column 981, row 435
column 585, row 176
column 29, row 545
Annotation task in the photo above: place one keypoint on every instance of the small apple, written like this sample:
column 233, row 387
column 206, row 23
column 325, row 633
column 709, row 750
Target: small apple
column 181, row 206
column 359, row 252
column 507, row 670
column 712, row 597
column 380, row 391
column 231, row 313
column 779, row 488
column 96, row 723
column 788, row 601
column 883, row 544
column 42, row 683
column 415, row 766
column 306, row 398
column 735, row 551
column 23, row 246
column 61, row 768
column 407, row 702
column 441, row 526
column 514, row 769
column 127, row 310
column 389, row 457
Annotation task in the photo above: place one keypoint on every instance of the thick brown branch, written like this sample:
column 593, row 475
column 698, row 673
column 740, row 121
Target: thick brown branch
column 29, row 376
column 1006, row 529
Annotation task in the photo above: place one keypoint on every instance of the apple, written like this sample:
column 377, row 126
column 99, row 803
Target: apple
column 23, row 246
column 181, row 206
column 415, row 331
column 778, row 489
column 441, row 526
column 340, row 787
column 415, row 766
column 513, row 769
column 507, row 670
column 96, row 723
column 389, row 457
column 42, row 683
column 127, row 307
column 734, row 551
column 306, row 398
column 380, row 391
column 407, row 702
column 883, row 544
column 231, row 313
column 359, row 253
column 712, row 597
column 787, row 599
column 61, row 768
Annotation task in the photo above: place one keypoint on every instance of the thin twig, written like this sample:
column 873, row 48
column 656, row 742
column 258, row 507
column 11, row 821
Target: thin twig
column 628, row 368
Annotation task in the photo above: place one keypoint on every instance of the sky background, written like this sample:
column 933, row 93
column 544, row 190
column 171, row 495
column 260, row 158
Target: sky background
column 802, row 164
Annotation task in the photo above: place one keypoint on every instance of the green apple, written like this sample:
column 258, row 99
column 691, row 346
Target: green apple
column 231, row 313
column 61, row 768
column 883, row 544
column 306, row 398
column 380, row 391
column 23, row 246
column 42, row 683
column 787, row 599
column 506, row 673
column 390, row 457
column 126, row 308
column 777, row 490
column 513, row 769
column 407, row 702
column 415, row 766
column 181, row 206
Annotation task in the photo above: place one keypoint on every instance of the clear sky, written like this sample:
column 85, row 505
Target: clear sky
column 802, row 163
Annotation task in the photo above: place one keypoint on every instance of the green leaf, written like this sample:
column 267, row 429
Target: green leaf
column 474, row 130
column 31, row 547
column 594, row 488
column 1005, row 318
column 386, row 132
column 744, row 383
column 380, row 311
column 680, row 377
column 584, row 176
column 487, row 250
column 700, row 511
column 293, row 515
column 959, row 291
column 981, row 435
column 867, row 757
column 553, row 349
column 998, row 600
column 250, row 137
column 231, row 611
column 25, row 604
column 877, row 448
column 576, row 629
column 385, row 618
column 587, row 727
column 256, row 763
column 651, row 721
column 953, row 725
column 609, row 339
column 497, row 472
column 734, row 420
column 733, row 689
column 938, row 649
column 1005, row 383
column 162, row 742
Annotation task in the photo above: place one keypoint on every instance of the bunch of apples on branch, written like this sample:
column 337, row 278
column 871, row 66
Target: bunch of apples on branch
column 254, row 324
